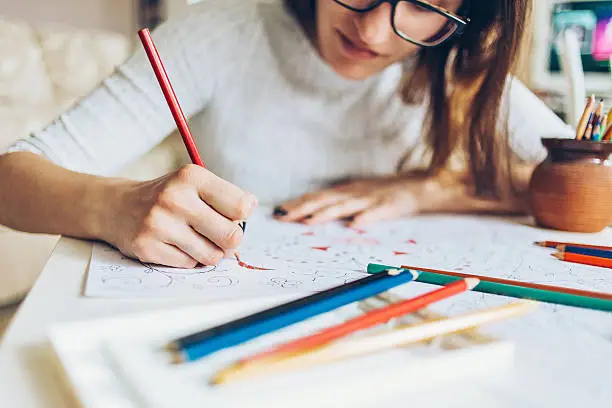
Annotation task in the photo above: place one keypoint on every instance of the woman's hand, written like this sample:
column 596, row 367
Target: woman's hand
column 363, row 202
column 187, row 217
column 366, row 201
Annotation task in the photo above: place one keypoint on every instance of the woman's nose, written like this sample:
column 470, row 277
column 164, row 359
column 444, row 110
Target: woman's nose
column 374, row 27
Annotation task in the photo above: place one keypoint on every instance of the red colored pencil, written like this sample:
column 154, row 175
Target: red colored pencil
column 550, row 288
column 171, row 99
column 554, row 244
column 584, row 259
column 373, row 318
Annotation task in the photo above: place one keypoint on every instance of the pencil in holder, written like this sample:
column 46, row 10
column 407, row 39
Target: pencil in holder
column 571, row 190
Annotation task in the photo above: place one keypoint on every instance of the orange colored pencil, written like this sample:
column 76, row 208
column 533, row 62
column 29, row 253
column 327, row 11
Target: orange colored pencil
column 371, row 319
column 555, row 244
column 584, row 259
column 550, row 288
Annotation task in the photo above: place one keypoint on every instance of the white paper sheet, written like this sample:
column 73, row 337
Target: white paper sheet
column 295, row 258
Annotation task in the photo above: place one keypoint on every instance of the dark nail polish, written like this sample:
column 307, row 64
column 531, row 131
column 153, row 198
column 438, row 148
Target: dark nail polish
column 242, row 226
column 280, row 211
column 309, row 216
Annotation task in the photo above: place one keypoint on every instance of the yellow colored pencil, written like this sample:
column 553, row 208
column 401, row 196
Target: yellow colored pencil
column 348, row 348
column 589, row 131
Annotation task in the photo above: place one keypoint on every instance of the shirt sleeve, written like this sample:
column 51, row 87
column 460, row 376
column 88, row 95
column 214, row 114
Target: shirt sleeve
column 529, row 120
column 127, row 115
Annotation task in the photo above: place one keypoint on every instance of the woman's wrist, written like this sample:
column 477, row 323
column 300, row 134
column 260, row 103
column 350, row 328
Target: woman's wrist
column 103, row 202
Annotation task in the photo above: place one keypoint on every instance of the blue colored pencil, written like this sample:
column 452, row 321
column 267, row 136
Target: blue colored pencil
column 203, row 343
column 601, row 253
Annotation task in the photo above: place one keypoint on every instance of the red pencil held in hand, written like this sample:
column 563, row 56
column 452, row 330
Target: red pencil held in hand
column 173, row 103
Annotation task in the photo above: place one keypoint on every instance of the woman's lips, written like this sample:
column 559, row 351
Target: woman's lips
column 355, row 51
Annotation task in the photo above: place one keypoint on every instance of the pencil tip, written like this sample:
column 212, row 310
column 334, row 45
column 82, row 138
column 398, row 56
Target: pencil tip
column 540, row 243
column 172, row 346
column 472, row 282
column 558, row 255
column 394, row 272
column 176, row 357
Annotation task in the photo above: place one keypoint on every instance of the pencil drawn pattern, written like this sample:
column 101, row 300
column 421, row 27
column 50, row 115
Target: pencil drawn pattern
column 277, row 258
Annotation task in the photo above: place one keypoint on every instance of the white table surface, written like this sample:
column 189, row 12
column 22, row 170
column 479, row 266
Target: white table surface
column 28, row 377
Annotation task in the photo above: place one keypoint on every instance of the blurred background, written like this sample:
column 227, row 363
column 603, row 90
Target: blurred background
column 52, row 52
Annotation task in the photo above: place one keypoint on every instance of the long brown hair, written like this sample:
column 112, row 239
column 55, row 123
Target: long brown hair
column 464, row 81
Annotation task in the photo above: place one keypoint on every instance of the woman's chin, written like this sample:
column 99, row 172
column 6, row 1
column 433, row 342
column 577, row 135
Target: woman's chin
column 351, row 71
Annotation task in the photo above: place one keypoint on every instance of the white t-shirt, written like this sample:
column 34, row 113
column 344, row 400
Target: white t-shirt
column 267, row 112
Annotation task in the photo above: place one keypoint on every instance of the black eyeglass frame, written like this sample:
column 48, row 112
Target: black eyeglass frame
column 462, row 22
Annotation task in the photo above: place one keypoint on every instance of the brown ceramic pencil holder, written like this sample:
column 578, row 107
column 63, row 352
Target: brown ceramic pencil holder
column 572, row 189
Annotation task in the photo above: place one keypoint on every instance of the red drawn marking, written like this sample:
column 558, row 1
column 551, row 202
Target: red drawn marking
column 411, row 241
column 359, row 231
column 321, row 248
column 308, row 234
column 399, row 253
column 247, row 266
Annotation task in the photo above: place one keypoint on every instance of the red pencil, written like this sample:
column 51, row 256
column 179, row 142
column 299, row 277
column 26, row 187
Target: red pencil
column 584, row 259
column 554, row 244
column 373, row 318
column 173, row 103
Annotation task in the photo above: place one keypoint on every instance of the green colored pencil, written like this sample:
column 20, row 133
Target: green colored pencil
column 562, row 297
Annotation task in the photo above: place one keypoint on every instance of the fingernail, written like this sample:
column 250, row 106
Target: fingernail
column 242, row 224
column 309, row 216
column 280, row 211
column 251, row 202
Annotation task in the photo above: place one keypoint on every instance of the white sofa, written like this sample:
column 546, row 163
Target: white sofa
column 43, row 70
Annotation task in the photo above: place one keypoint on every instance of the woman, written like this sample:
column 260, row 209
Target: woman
column 326, row 107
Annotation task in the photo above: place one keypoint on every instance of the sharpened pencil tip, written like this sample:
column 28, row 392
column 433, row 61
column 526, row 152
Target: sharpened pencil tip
column 558, row 255
column 394, row 272
column 177, row 357
column 472, row 282
column 541, row 243
column 173, row 346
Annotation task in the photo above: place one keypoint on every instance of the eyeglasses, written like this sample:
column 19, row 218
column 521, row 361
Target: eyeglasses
column 417, row 21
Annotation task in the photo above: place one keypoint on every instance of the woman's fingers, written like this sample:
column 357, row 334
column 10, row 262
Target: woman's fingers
column 304, row 207
column 341, row 210
column 224, row 233
column 164, row 254
column 384, row 211
column 221, row 195
column 196, row 246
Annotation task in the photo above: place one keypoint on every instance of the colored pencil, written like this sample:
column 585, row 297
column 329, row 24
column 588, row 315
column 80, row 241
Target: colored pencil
column 586, row 116
column 203, row 343
column 555, row 244
column 365, row 321
column 470, row 335
column 589, row 132
column 522, row 290
column 356, row 347
column 604, row 127
column 584, row 259
column 608, row 135
column 601, row 253
column 171, row 99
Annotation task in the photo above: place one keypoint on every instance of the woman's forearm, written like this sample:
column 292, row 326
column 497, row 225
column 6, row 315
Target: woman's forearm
column 39, row 196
